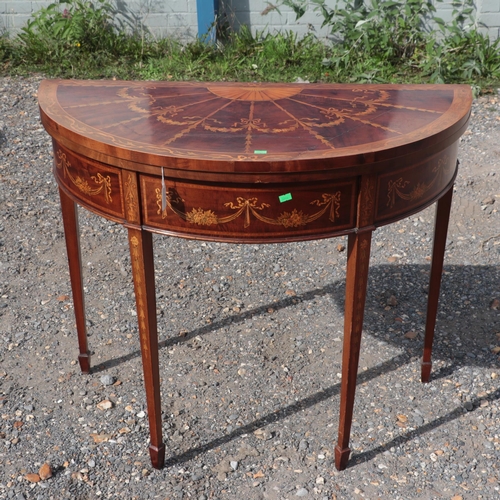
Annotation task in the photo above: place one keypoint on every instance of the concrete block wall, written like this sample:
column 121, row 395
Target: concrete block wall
column 163, row 18
column 489, row 15
column 250, row 12
column 15, row 14
column 178, row 19
column 257, row 15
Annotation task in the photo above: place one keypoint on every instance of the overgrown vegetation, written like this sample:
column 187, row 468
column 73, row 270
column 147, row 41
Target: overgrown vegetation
column 77, row 38
column 372, row 41
column 384, row 40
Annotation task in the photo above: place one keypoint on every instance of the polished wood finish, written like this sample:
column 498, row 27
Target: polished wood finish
column 142, row 259
column 70, row 222
column 442, row 218
column 358, row 260
column 253, row 163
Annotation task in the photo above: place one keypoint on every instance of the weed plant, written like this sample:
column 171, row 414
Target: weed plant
column 243, row 57
column 372, row 41
column 388, row 40
column 78, row 38
column 6, row 49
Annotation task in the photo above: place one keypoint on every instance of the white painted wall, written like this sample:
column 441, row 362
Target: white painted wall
column 250, row 12
column 177, row 18
column 172, row 18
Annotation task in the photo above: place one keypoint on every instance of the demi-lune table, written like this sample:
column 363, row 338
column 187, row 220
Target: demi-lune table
column 253, row 163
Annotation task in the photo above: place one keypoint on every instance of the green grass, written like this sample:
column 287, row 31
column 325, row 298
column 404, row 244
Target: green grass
column 243, row 57
column 60, row 46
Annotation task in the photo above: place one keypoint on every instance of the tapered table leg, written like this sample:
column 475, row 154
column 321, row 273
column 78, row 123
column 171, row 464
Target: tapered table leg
column 72, row 236
column 141, row 251
column 356, row 281
column 443, row 208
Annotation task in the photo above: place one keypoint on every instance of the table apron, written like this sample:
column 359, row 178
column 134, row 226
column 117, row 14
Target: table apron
column 253, row 212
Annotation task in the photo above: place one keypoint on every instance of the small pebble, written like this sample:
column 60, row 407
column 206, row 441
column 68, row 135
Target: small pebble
column 303, row 445
column 286, row 340
column 107, row 380
column 468, row 406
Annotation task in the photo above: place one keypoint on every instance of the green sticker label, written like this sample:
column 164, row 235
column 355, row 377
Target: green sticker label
column 285, row 197
column 260, row 152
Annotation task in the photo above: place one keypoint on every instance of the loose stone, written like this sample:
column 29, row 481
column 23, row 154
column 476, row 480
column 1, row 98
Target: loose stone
column 107, row 380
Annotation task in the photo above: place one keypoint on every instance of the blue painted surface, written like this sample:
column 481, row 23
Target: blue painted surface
column 207, row 12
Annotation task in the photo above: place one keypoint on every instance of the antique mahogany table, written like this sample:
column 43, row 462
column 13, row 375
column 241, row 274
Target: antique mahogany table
column 253, row 163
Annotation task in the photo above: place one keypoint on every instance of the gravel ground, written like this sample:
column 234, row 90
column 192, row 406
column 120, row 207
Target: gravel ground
column 250, row 350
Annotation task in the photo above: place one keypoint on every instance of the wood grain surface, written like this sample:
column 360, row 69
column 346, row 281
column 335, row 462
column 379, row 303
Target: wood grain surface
column 253, row 163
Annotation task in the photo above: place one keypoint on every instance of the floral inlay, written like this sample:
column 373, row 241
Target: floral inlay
column 104, row 182
column 248, row 207
column 199, row 110
column 293, row 218
column 395, row 188
column 201, row 217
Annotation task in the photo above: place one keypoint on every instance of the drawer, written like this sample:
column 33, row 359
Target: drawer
column 251, row 211
column 405, row 190
column 92, row 183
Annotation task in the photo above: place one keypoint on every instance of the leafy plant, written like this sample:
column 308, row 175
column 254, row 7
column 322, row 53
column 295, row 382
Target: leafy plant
column 55, row 31
column 373, row 41
column 77, row 34
column 464, row 53
column 382, row 40
column 244, row 56
column 5, row 48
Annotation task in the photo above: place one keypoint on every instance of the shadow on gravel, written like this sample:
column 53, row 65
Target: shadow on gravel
column 366, row 456
column 465, row 332
column 466, row 324
column 318, row 397
column 216, row 325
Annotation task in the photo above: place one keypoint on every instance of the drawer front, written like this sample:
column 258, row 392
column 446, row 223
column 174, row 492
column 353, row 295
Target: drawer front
column 249, row 212
column 91, row 183
column 404, row 190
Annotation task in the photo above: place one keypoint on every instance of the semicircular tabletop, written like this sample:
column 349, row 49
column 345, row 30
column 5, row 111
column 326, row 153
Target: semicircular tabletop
column 251, row 121
column 253, row 163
